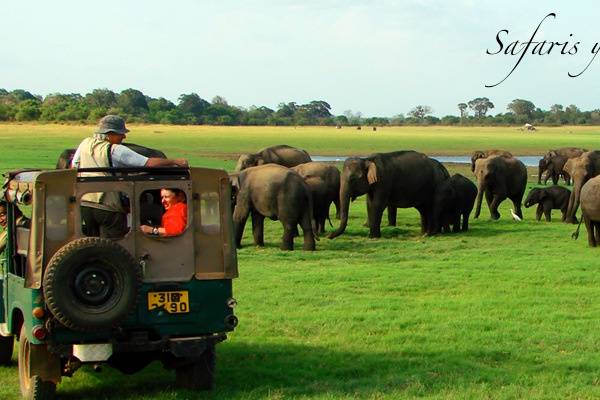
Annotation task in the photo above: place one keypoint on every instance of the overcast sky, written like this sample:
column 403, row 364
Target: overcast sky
column 378, row 57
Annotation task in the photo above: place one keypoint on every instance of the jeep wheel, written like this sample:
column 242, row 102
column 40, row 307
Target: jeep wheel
column 6, row 349
column 200, row 373
column 32, row 387
column 91, row 283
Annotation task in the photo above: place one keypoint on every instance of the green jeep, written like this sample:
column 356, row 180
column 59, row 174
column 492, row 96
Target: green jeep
column 72, row 299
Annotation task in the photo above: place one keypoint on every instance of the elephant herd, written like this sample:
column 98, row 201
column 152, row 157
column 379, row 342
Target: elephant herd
column 283, row 183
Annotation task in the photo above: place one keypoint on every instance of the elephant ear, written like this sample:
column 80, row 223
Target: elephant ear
column 371, row 172
column 552, row 153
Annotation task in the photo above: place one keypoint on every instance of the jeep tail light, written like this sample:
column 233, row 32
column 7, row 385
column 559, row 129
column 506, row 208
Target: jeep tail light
column 39, row 332
column 38, row 313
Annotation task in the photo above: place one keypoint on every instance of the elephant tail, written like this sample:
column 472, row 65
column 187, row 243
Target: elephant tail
column 575, row 234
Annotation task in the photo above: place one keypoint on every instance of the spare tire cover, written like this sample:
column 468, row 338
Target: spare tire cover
column 91, row 283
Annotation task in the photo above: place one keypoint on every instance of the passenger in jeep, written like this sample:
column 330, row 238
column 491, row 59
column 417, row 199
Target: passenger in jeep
column 103, row 213
column 174, row 220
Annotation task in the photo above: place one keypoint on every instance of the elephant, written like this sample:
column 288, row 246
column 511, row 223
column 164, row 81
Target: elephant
column 500, row 178
column 397, row 179
column 282, row 154
column 323, row 180
column 553, row 166
column 554, row 160
column 581, row 169
column 65, row 158
column 278, row 193
column 590, row 209
column 477, row 154
column 455, row 197
column 548, row 199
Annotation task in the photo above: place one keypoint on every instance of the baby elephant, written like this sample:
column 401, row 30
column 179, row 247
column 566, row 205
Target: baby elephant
column 454, row 198
column 548, row 199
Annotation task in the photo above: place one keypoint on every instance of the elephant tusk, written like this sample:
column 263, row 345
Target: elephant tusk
column 515, row 216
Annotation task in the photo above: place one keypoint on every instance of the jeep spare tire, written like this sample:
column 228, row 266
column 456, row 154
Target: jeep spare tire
column 91, row 283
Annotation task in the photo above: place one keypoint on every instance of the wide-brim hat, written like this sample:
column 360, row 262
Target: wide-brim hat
column 112, row 123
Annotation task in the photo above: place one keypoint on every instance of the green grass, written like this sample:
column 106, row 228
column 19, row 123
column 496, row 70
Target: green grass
column 507, row 310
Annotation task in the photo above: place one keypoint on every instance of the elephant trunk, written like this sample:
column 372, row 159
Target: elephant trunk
column 344, row 207
column 573, row 202
column 541, row 170
column 480, row 190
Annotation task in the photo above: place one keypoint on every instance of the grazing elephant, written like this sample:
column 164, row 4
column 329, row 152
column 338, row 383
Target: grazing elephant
column 278, row 193
column 398, row 179
column 553, row 166
column 581, row 169
column 323, row 180
column 65, row 158
column 477, row 154
column 548, row 199
column 500, row 178
column 454, row 198
column 590, row 209
column 282, row 154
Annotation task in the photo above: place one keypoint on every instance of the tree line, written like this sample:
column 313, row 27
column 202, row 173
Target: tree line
column 191, row 109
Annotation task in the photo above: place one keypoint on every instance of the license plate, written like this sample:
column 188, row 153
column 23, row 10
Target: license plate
column 172, row 302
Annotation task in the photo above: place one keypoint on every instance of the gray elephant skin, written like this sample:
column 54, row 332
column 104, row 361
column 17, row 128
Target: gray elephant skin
column 278, row 193
column 500, row 178
column 554, row 161
column 581, row 169
column 590, row 209
column 478, row 154
column 65, row 158
column 397, row 179
column 281, row 154
column 553, row 166
column 548, row 199
column 323, row 181
column 454, row 198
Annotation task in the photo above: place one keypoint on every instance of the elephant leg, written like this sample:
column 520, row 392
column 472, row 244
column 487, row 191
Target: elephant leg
column 555, row 177
column 517, row 204
column 258, row 228
column 563, row 212
column 589, row 227
column 375, row 209
column 494, row 207
column 538, row 212
column 456, row 223
column 287, row 241
column 239, row 224
column 309, row 237
column 547, row 177
column 465, row 221
column 391, row 212
column 548, row 211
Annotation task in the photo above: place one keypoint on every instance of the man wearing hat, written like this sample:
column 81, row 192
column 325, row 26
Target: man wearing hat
column 103, row 213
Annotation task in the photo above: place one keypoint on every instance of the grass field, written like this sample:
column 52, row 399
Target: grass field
column 507, row 310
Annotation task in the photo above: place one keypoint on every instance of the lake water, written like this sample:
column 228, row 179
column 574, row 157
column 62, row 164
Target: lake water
column 529, row 161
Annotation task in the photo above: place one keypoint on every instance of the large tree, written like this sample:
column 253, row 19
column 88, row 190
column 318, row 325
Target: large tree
column 420, row 112
column 480, row 106
column 462, row 107
column 133, row 102
column 521, row 108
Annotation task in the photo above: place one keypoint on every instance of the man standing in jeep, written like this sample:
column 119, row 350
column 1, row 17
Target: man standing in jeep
column 103, row 213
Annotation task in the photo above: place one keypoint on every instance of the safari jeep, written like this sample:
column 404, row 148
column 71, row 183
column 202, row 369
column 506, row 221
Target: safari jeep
column 72, row 299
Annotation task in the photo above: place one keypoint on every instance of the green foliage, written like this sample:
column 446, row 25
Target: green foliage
column 191, row 109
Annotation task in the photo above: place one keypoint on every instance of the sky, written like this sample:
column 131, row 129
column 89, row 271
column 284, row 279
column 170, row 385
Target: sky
column 380, row 58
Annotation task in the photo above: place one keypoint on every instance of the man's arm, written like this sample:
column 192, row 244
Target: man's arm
column 155, row 162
